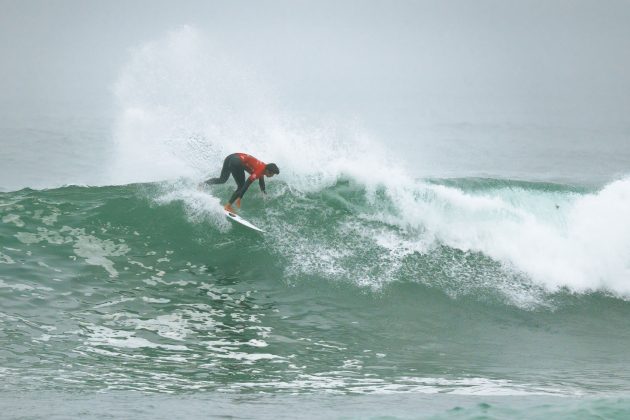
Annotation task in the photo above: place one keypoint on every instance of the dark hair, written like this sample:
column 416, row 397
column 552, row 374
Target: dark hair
column 273, row 168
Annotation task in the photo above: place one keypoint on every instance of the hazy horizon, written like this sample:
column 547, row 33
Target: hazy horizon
column 445, row 81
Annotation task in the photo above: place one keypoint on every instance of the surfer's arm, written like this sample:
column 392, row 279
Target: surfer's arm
column 241, row 191
column 261, row 182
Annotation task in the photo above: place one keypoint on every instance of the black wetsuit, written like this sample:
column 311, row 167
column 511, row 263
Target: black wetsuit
column 234, row 164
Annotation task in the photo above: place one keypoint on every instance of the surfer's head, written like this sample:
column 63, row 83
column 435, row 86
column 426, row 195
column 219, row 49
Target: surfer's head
column 271, row 169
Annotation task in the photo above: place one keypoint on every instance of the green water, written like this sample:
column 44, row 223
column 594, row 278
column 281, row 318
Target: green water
column 144, row 296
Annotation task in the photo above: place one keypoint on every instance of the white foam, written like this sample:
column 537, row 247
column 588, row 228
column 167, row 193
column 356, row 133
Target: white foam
column 94, row 250
column 50, row 219
column 6, row 259
column 212, row 106
column 200, row 206
column 15, row 286
column 337, row 382
column 583, row 245
column 543, row 241
column 173, row 326
column 246, row 357
column 114, row 302
column 13, row 218
column 103, row 336
column 153, row 300
column 257, row 343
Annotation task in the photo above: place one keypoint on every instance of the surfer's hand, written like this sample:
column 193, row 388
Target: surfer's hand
column 229, row 208
column 238, row 203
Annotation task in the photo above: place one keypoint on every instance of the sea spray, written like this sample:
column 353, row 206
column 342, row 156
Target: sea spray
column 211, row 107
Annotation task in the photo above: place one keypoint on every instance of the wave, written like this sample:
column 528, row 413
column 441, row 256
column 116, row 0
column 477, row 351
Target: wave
column 520, row 243
column 348, row 209
column 151, row 289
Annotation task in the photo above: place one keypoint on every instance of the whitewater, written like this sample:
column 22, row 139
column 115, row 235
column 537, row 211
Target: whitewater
column 375, row 286
column 558, row 237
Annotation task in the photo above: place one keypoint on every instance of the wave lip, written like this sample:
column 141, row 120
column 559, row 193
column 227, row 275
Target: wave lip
column 580, row 242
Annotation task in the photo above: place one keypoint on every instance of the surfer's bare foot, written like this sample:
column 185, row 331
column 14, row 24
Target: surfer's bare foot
column 229, row 208
column 238, row 203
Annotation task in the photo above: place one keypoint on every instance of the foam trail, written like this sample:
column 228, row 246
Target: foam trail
column 200, row 206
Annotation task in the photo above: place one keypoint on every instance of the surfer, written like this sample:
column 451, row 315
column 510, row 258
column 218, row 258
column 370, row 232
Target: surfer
column 236, row 164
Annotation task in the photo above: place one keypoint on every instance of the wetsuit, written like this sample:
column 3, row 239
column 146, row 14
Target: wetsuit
column 236, row 164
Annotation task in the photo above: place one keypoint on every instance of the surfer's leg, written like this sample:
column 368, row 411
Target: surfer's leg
column 225, row 173
column 238, row 172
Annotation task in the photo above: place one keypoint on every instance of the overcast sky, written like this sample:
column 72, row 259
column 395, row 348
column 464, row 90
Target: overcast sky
column 531, row 89
column 524, row 59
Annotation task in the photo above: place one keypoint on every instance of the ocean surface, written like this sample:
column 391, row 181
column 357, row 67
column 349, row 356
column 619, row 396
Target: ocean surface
column 449, row 298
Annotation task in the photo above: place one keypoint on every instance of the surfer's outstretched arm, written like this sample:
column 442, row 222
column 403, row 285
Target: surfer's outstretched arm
column 261, row 183
column 240, row 192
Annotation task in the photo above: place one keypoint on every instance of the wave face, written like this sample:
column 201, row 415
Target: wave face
column 425, row 286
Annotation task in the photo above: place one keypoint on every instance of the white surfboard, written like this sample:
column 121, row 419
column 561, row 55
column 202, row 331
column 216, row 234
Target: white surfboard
column 238, row 219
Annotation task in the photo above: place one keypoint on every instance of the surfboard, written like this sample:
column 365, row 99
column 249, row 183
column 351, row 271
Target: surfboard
column 238, row 219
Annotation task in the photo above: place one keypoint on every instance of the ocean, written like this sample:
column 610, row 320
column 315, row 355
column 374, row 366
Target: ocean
column 481, row 291
column 472, row 269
